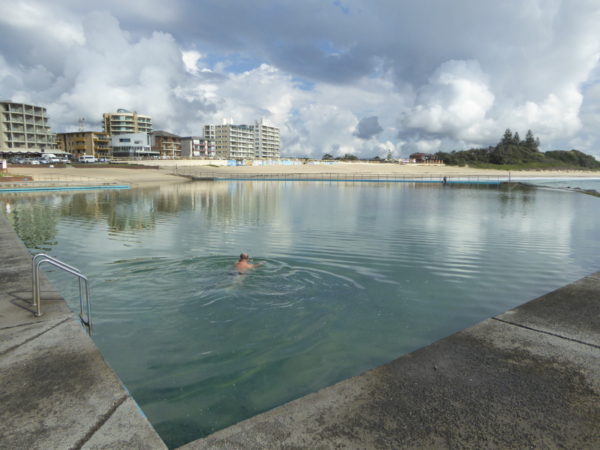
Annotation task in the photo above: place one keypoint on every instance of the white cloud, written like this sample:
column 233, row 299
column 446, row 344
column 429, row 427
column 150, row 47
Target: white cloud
column 555, row 116
column 455, row 102
column 443, row 81
column 428, row 146
column 262, row 92
column 190, row 60
column 41, row 18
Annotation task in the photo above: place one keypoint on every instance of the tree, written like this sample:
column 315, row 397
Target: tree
column 531, row 142
column 389, row 155
column 507, row 139
column 511, row 150
column 516, row 139
column 327, row 156
column 574, row 158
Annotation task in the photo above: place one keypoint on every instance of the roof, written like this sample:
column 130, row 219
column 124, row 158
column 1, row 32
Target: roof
column 164, row 133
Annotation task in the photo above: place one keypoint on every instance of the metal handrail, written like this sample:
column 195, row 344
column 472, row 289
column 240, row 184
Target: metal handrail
column 84, row 288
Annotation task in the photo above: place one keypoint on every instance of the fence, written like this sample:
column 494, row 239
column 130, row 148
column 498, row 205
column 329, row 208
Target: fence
column 363, row 177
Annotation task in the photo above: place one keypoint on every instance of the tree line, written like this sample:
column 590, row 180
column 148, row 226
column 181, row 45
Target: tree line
column 512, row 150
column 351, row 157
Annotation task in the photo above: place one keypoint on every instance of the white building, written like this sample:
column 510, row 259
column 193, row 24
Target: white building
column 24, row 129
column 267, row 142
column 132, row 145
column 244, row 141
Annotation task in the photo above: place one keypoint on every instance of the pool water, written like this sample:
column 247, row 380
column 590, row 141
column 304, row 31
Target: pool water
column 354, row 275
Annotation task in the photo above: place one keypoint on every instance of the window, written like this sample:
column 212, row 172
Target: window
column 124, row 140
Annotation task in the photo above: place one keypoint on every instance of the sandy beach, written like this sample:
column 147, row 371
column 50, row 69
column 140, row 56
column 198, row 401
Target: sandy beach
column 169, row 171
column 97, row 175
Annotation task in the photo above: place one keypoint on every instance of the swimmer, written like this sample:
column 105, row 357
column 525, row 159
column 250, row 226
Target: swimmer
column 244, row 264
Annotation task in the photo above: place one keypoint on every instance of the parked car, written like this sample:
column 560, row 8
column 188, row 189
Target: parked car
column 104, row 160
column 87, row 159
column 17, row 160
column 49, row 158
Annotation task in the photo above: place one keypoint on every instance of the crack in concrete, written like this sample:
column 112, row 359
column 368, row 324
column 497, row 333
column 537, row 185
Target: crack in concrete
column 4, row 352
column 103, row 419
column 546, row 332
column 24, row 324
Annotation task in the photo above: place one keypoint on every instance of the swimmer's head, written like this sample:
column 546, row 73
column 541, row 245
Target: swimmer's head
column 244, row 256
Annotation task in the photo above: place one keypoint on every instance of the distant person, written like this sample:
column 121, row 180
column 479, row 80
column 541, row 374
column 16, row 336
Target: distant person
column 244, row 264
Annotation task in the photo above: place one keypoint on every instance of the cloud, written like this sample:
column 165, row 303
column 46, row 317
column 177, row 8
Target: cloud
column 338, row 77
column 368, row 128
column 190, row 60
column 455, row 102
column 39, row 18
column 112, row 70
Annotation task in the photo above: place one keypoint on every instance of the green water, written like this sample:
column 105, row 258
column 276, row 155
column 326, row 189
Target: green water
column 355, row 275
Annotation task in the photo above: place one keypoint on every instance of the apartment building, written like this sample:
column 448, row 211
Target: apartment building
column 24, row 129
column 79, row 143
column 197, row 147
column 126, row 122
column 132, row 145
column 234, row 141
column 209, row 134
column 267, row 141
column 244, row 141
column 167, row 145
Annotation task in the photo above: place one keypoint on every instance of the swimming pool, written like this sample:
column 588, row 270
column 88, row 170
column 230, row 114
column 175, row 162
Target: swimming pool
column 355, row 275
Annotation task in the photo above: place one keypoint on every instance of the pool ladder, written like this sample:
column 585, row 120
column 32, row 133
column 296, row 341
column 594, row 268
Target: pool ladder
column 84, row 289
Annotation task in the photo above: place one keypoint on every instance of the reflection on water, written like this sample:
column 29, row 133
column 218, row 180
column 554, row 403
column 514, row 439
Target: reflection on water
column 355, row 275
column 36, row 224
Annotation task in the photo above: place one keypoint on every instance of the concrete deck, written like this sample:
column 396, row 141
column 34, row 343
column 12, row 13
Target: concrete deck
column 56, row 389
column 529, row 378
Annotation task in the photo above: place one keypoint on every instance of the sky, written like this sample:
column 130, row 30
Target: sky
column 365, row 77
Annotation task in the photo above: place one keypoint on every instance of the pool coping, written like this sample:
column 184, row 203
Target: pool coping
column 64, row 188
